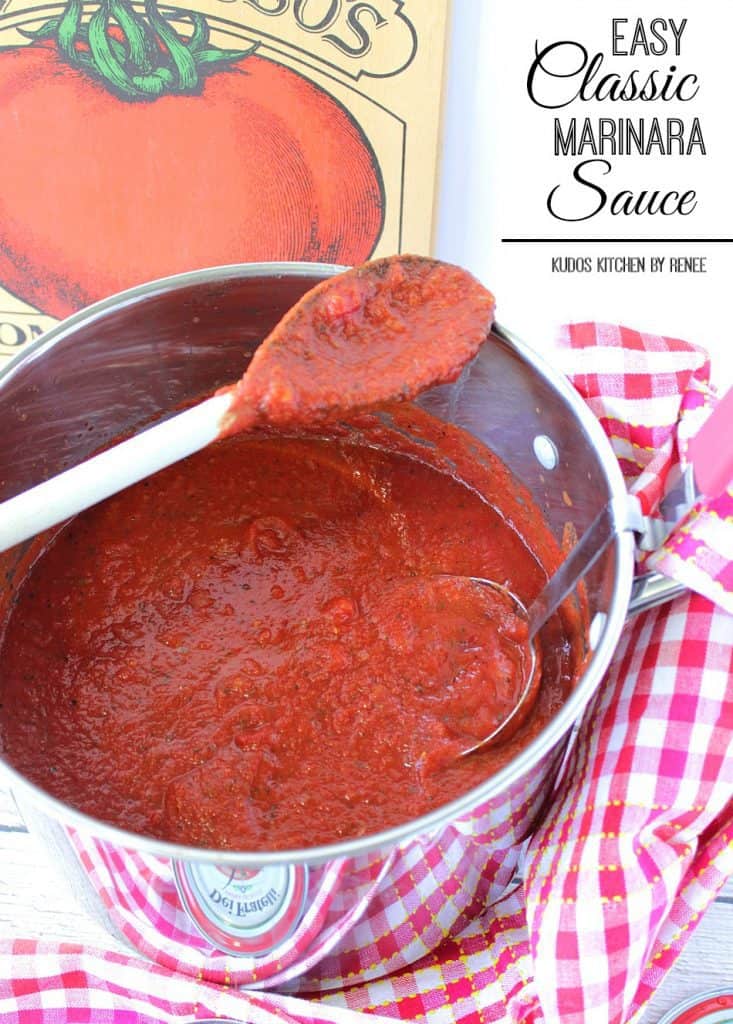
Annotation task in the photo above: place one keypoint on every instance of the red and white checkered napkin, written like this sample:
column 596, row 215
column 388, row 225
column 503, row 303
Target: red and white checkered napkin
column 637, row 841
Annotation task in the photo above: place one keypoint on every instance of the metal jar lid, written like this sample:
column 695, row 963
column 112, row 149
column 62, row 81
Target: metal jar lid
column 241, row 911
column 715, row 1007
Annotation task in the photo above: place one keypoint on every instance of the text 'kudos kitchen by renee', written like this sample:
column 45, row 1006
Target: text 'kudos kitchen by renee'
column 644, row 67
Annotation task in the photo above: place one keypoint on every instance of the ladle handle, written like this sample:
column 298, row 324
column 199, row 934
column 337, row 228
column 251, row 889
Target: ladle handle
column 612, row 519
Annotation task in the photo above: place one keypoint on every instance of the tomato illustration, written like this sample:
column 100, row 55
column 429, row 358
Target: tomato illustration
column 131, row 153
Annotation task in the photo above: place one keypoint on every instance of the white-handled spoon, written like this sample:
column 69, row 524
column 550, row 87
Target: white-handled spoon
column 386, row 330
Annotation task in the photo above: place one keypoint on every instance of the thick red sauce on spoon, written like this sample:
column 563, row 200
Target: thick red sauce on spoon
column 386, row 330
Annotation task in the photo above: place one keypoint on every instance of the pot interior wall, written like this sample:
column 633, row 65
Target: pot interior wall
column 118, row 367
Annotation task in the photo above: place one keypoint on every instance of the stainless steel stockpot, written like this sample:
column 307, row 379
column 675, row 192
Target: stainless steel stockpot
column 314, row 912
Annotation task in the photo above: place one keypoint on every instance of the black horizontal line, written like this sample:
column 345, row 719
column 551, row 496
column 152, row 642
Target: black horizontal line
column 13, row 828
column 625, row 241
column 724, row 899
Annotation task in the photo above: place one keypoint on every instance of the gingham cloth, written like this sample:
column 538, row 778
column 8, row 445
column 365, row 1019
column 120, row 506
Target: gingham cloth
column 636, row 843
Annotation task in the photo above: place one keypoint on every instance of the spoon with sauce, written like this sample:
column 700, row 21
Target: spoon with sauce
column 383, row 331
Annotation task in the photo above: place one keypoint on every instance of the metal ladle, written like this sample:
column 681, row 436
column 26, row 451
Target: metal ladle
column 608, row 523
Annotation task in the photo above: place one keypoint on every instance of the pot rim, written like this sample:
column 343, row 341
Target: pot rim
column 623, row 546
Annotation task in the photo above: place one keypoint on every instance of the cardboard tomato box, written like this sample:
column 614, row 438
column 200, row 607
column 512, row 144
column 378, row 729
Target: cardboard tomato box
column 145, row 140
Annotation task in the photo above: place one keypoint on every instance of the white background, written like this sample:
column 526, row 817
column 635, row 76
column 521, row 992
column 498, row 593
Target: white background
column 499, row 166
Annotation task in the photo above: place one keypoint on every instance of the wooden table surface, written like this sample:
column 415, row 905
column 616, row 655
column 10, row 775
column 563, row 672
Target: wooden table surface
column 36, row 902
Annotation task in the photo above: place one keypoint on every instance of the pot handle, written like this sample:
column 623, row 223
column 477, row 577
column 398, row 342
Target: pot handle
column 709, row 470
column 652, row 589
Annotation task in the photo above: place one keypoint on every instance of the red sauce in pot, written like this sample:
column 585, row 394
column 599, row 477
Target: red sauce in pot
column 250, row 650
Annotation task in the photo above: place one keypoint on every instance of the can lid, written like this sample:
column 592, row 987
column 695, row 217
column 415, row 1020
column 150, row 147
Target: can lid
column 243, row 911
column 715, row 1007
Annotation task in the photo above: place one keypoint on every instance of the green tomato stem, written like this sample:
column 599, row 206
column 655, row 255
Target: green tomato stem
column 137, row 55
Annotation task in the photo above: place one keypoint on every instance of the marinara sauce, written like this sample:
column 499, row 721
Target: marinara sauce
column 257, row 648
